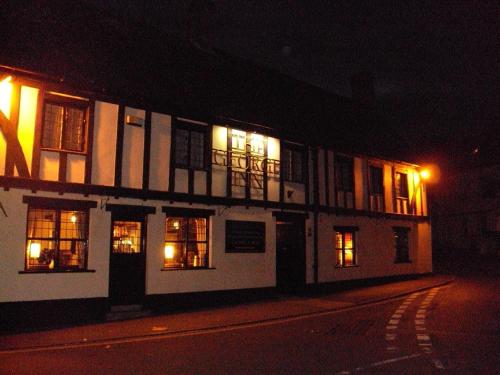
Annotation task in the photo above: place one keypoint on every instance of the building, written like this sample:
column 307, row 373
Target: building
column 143, row 188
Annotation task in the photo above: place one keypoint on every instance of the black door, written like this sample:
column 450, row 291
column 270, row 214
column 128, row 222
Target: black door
column 290, row 256
column 127, row 266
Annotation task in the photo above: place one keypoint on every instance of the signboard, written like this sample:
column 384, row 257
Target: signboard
column 245, row 236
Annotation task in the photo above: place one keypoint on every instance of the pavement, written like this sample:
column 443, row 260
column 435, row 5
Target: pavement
column 212, row 319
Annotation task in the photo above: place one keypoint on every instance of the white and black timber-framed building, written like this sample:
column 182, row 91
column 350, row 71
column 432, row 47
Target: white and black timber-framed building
column 140, row 183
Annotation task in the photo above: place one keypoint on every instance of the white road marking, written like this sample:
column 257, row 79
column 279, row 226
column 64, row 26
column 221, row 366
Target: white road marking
column 394, row 321
column 396, row 316
column 420, row 328
column 420, row 316
column 421, row 311
column 390, row 336
column 419, row 321
column 385, row 362
column 391, row 327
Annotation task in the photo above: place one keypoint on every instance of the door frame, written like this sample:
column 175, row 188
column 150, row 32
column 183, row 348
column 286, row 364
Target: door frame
column 129, row 213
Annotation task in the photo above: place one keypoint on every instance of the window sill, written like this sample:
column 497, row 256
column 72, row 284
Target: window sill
column 63, row 150
column 353, row 266
column 56, row 271
column 188, row 269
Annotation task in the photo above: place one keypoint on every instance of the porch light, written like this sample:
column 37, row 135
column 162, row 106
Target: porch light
column 425, row 174
column 169, row 252
column 35, row 249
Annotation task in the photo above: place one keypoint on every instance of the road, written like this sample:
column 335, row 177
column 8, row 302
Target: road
column 448, row 329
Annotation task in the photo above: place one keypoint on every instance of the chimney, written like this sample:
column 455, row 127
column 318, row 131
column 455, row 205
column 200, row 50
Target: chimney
column 362, row 89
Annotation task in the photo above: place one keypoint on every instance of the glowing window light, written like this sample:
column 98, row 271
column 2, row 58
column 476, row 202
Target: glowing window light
column 5, row 95
column 73, row 218
column 35, row 249
column 257, row 144
column 169, row 252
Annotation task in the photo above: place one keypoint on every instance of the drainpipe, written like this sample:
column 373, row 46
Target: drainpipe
column 314, row 158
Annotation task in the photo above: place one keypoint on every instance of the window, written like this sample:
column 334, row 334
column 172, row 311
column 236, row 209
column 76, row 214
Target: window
column 186, row 242
column 64, row 125
column 401, row 244
column 189, row 148
column 292, row 165
column 401, row 185
column 345, row 246
column 56, row 239
column 401, row 192
column 376, row 189
column 344, row 182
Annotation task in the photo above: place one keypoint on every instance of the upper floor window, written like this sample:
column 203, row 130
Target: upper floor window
column 344, row 182
column 401, row 193
column 401, row 185
column 345, row 246
column 292, row 165
column 376, row 188
column 57, row 234
column 189, row 147
column 64, row 125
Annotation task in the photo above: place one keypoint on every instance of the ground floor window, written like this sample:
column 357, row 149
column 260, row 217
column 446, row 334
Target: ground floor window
column 401, row 244
column 186, row 242
column 345, row 246
column 56, row 239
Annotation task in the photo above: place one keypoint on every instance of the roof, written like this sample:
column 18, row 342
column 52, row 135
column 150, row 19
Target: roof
column 92, row 50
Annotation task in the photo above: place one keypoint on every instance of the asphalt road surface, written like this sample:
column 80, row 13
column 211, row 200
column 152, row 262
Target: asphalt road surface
column 449, row 329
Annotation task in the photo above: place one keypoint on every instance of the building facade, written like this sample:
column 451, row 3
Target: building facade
column 106, row 200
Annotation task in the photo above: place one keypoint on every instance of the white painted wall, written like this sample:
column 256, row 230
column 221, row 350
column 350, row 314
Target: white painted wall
column 104, row 145
column 133, row 150
column 75, row 168
column 49, row 165
column 200, row 182
column 159, row 166
column 181, row 180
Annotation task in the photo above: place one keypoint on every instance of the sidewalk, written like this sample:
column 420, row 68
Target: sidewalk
column 226, row 316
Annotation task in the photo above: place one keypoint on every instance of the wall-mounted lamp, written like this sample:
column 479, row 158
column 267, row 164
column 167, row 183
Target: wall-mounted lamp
column 289, row 193
column 169, row 252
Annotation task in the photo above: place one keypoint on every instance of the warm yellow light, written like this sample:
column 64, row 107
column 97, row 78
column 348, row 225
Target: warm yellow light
column 169, row 252
column 348, row 257
column 73, row 218
column 5, row 95
column 425, row 174
column 35, row 249
column 175, row 224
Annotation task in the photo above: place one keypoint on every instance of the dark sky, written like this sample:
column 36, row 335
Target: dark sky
column 435, row 63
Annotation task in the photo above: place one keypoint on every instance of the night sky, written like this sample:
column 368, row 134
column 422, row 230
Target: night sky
column 435, row 63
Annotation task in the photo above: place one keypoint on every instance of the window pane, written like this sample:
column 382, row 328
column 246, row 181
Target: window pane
column 174, row 252
column 41, row 223
column 40, row 254
column 401, row 185
column 181, row 147
column 257, row 144
column 238, row 140
column 348, row 240
column 126, row 237
column 338, row 240
column 176, row 229
column 73, row 224
column 197, row 229
column 197, row 150
column 197, row 255
column 52, row 126
column 73, row 134
column 297, row 166
column 344, row 175
column 376, row 184
column 339, row 258
column 286, row 165
column 72, row 254
column 349, row 257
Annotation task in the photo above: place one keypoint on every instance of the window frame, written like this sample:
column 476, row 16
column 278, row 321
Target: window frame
column 66, row 103
column 58, row 205
column 186, row 214
column 190, row 128
column 343, row 230
column 342, row 198
column 396, row 232
column 397, row 187
column 296, row 153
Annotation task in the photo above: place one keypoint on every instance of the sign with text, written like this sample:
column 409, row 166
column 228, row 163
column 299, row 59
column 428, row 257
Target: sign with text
column 245, row 236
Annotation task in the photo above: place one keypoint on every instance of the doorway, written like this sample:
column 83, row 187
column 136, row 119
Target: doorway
column 127, row 265
column 290, row 254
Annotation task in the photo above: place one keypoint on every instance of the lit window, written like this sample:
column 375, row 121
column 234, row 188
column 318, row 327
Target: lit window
column 238, row 140
column 401, row 185
column 257, row 144
column 401, row 244
column 186, row 242
column 126, row 237
column 345, row 246
column 56, row 239
column 64, row 126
